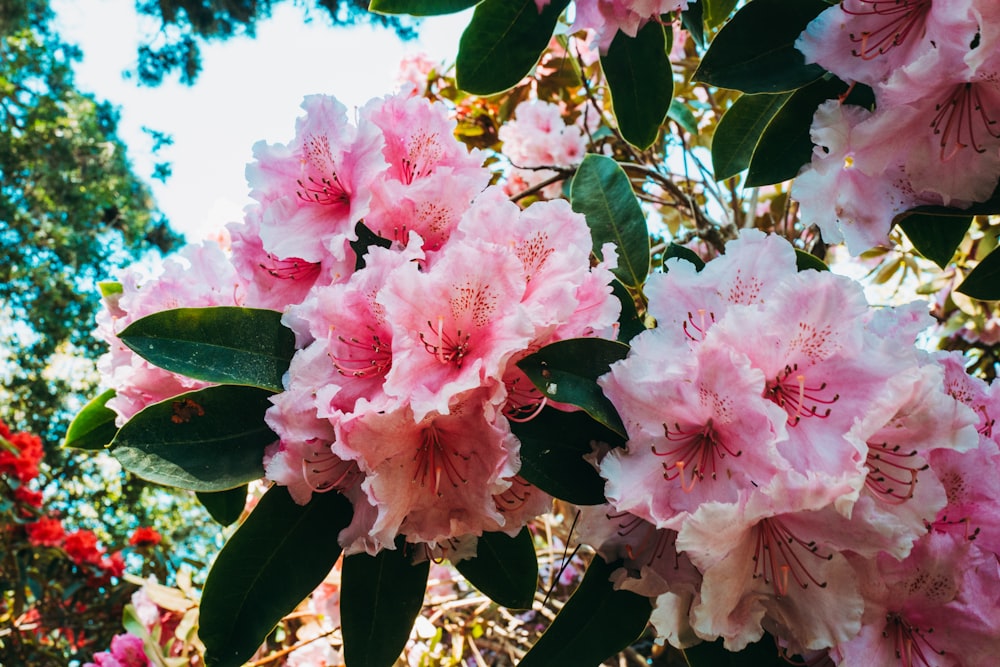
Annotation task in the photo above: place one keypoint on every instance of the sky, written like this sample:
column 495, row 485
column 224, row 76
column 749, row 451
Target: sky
column 248, row 90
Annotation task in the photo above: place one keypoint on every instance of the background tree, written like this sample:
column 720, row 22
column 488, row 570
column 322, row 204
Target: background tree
column 182, row 26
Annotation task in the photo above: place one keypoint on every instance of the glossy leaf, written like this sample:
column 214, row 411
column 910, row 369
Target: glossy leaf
column 717, row 11
column 279, row 555
column 567, row 372
column 692, row 19
column 379, row 600
column 505, row 569
column 641, row 81
column 596, row 623
column 983, row 282
column 682, row 252
column 602, row 192
column 805, row 261
column 228, row 345
column 503, row 42
column 935, row 236
column 740, row 129
column 755, row 51
column 680, row 114
column 421, row 7
column 93, row 427
column 224, row 506
column 207, row 440
column 786, row 144
column 366, row 239
column 553, row 445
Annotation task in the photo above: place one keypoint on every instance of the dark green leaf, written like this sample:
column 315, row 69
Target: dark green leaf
column 693, row 21
column 207, row 440
column 379, row 600
column 503, row 42
column 602, row 192
column 983, row 282
column 786, row 144
column 224, row 506
column 755, row 52
column 94, row 426
column 936, row 237
column 739, row 131
column 680, row 114
column 596, row 623
column 366, row 239
column 713, row 654
column 223, row 344
column 553, row 445
column 279, row 555
column 682, row 252
column 641, row 82
column 717, row 11
column 421, row 7
column 805, row 261
column 567, row 372
column 505, row 569
column 630, row 324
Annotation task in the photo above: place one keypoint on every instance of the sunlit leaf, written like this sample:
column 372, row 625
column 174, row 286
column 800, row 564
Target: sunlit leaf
column 421, row 7
column 224, row 506
column 223, row 344
column 503, row 42
column 717, row 11
column 380, row 598
column 740, row 129
column 755, row 51
column 207, row 440
column 279, row 555
column 567, row 372
column 983, row 282
column 641, row 82
column 505, row 568
column 553, row 445
column 94, row 426
column 596, row 623
column 602, row 192
column 680, row 114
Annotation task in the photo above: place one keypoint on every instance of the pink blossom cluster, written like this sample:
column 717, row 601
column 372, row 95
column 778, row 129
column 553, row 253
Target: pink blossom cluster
column 608, row 17
column 933, row 138
column 404, row 381
column 540, row 137
column 126, row 651
column 796, row 464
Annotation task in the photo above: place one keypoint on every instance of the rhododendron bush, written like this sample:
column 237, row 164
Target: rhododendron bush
column 444, row 313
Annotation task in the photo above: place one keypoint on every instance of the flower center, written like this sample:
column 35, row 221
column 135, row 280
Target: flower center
column 901, row 18
column 325, row 471
column 961, row 115
column 799, row 399
column 695, row 330
column 434, row 460
column 447, row 348
column 891, row 478
column 292, row 268
column 910, row 643
column 693, row 454
column 781, row 558
column 363, row 359
column 326, row 189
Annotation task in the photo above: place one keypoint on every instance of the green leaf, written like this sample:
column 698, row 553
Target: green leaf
column 717, row 11
column 110, row 288
column 379, row 600
column 763, row 653
column 983, row 282
column 207, row 440
column 805, row 261
column 596, row 623
column 421, row 7
column 602, row 192
column 680, row 114
column 94, row 426
column 630, row 324
column 755, row 52
column 567, row 372
column 786, row 144
column 553, row 445
column 503, row 42
column 224, row 344
column 693, row 22
column 935, row 236
column 224, row 506
column 505, row 569
column 366, row 239
column 641, row 82
column 279, row 555
column 682, row 252
column 740, row 129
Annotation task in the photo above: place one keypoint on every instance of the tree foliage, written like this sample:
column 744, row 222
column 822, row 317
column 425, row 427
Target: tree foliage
column 183, row 26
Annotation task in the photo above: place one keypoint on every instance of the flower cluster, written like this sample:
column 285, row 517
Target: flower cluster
column 126, row 651
column 790, row 469
column 608, row 17
column 404, row 380
column 540, row 137
column 933, row 137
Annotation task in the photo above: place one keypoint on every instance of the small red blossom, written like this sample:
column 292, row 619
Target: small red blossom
column 23, row 494
column 114, row 564
column 46, row 532
column 82, row 547
column 145, row 537
column 24, row 464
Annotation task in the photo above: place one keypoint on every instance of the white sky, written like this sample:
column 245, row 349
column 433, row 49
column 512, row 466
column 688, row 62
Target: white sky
column 249, row 89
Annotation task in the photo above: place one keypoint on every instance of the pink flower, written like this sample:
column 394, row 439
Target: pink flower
column 540, row 137
column 126, row 651
column 607, row 17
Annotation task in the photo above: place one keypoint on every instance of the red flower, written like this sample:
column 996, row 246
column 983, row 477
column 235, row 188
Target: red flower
column 82, row 547
column 145, row 537
column 23, row 464
column 114, row 564
column 23, row 494
column 45, row 532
